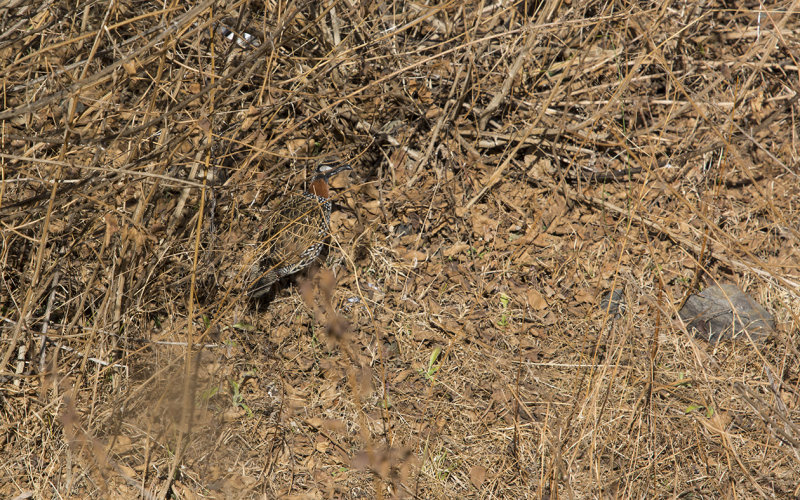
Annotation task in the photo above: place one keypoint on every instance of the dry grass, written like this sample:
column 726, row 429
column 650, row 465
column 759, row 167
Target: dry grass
column 513, row 161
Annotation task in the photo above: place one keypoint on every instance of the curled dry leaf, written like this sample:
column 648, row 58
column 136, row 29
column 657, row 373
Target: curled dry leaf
column 477, row 475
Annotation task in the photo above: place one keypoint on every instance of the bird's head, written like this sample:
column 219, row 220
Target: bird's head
column 319, row 183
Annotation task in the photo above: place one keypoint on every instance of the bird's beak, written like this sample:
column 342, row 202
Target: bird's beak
column 340, row 168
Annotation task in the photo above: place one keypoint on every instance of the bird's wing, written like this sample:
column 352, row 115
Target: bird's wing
column 297, row 224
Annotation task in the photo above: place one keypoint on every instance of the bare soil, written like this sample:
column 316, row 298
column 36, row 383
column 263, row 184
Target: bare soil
column 513, row 162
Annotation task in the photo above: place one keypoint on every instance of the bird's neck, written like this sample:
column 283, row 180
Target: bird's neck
column 320, row 188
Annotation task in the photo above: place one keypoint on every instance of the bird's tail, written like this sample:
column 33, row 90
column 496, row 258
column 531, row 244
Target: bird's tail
column 262, row 286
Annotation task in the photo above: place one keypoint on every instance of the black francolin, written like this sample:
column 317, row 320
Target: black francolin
column 295, row 231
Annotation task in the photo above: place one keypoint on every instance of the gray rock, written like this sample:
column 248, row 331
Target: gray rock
column 614, row 301
column 724, row 312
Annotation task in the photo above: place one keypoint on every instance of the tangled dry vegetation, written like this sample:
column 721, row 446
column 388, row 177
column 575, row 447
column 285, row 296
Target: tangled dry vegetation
column 512, row 162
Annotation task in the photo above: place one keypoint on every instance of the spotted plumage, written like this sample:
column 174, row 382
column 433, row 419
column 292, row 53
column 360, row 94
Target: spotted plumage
column 295, row 231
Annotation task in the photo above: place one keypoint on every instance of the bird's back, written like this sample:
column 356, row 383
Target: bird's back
column 295, row 230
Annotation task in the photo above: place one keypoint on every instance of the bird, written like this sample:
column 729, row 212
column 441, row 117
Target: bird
column 294, row 233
